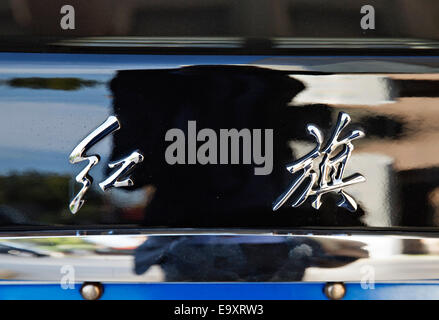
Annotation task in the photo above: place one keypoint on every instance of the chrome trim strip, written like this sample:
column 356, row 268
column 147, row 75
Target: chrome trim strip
column 223, row 258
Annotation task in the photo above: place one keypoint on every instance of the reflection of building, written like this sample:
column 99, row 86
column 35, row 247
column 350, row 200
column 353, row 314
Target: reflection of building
column 415, row 152
column 399, row 154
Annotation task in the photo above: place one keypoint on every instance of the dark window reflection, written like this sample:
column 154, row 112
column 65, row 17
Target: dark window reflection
column 242, row 258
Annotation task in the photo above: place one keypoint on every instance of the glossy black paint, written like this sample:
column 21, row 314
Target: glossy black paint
column 51, row 101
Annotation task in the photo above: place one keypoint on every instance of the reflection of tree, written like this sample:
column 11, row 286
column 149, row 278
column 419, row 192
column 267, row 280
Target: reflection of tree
column 68, row 84
column 44, row 198
column 65, row 245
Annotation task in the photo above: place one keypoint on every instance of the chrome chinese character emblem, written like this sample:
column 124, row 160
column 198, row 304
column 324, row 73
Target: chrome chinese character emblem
column 117, row 179
column 331, row 168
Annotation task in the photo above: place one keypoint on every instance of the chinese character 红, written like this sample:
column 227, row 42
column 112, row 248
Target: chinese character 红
column 117, row 179
column 309, row 184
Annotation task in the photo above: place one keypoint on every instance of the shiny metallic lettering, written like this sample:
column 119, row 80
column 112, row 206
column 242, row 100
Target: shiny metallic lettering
column 331, row 169
column 125, row 165
column 78, row 154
